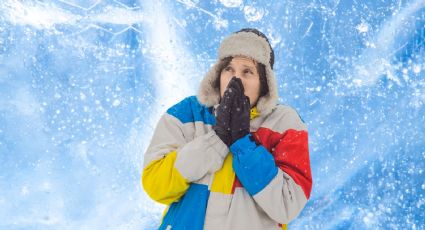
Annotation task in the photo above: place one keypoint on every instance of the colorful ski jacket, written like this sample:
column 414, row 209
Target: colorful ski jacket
column 262, row 182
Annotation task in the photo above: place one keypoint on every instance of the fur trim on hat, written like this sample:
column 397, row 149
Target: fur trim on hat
column 241, row 44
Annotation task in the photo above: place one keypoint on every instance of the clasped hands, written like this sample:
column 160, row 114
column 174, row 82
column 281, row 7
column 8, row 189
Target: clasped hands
column 233, row 113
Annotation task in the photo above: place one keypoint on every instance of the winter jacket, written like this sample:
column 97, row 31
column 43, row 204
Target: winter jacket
column 262, row 181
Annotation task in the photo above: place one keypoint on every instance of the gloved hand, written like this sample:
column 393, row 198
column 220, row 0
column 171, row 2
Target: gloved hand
column 223, row 113
column 240, row 114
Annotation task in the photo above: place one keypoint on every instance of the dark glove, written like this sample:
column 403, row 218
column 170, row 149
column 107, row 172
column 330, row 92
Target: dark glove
column 240, row 114
column 223, row 113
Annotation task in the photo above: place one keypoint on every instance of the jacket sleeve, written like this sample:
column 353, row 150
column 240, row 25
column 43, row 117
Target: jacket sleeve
column 279, row 180
column 174, row 159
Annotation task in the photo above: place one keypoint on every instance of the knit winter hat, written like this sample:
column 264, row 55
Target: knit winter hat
column 249, row 43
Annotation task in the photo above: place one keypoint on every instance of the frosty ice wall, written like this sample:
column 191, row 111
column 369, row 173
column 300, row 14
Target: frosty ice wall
column 83, row 82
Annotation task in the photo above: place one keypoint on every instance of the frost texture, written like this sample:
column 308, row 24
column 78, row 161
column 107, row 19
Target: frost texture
column 231, row 3
column 83, row 84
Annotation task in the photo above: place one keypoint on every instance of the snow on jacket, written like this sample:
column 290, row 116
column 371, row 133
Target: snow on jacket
column 262, row 182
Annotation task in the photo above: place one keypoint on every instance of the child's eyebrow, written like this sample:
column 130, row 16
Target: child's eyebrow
column 252, row 68
column 249, row 67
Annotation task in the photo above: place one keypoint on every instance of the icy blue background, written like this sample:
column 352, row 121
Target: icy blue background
column 83, row 83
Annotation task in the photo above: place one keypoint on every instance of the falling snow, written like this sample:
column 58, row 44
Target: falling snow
column 362, row 27
column 231, row 3
column 253, row 14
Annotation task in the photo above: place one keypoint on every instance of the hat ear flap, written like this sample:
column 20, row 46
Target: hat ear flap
column 267, row 102
column 208, row 93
